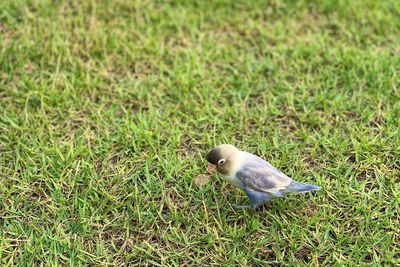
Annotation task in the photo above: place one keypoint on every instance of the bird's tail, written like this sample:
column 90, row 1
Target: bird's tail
column 301, row 188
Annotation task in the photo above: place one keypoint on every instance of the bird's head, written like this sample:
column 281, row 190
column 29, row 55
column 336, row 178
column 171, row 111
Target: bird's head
column 222, row 158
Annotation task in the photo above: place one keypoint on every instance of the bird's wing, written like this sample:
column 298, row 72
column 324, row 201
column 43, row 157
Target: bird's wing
column 258, row 175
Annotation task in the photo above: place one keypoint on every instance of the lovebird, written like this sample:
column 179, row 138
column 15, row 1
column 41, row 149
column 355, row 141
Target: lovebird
column 256, row 177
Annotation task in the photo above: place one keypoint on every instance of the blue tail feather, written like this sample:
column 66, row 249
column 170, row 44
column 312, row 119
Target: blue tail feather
column 301, row 188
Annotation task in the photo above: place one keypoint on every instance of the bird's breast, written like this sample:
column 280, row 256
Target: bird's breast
column 233, row 180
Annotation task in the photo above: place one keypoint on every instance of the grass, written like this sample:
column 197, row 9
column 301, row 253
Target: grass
column 108, row 108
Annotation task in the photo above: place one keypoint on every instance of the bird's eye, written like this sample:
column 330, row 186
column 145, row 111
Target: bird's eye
column 221, row 161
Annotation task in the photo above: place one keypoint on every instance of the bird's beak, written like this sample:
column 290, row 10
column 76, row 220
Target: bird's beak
column 211, row 167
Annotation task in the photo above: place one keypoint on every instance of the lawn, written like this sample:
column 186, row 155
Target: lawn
column 108, row 108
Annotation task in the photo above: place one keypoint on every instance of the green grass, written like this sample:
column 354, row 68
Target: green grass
column 109, row 107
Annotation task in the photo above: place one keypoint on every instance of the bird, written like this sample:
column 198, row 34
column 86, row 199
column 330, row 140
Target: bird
column 260, row 180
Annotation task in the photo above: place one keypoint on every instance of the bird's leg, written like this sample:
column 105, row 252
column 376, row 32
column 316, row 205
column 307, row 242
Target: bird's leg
column 242, row 207
column 258, row 198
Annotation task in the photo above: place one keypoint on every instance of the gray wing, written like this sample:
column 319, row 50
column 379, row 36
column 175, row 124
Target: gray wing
column 258, row 175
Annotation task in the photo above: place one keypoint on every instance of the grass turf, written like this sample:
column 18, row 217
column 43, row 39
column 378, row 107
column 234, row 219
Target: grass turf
column 108, row 108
